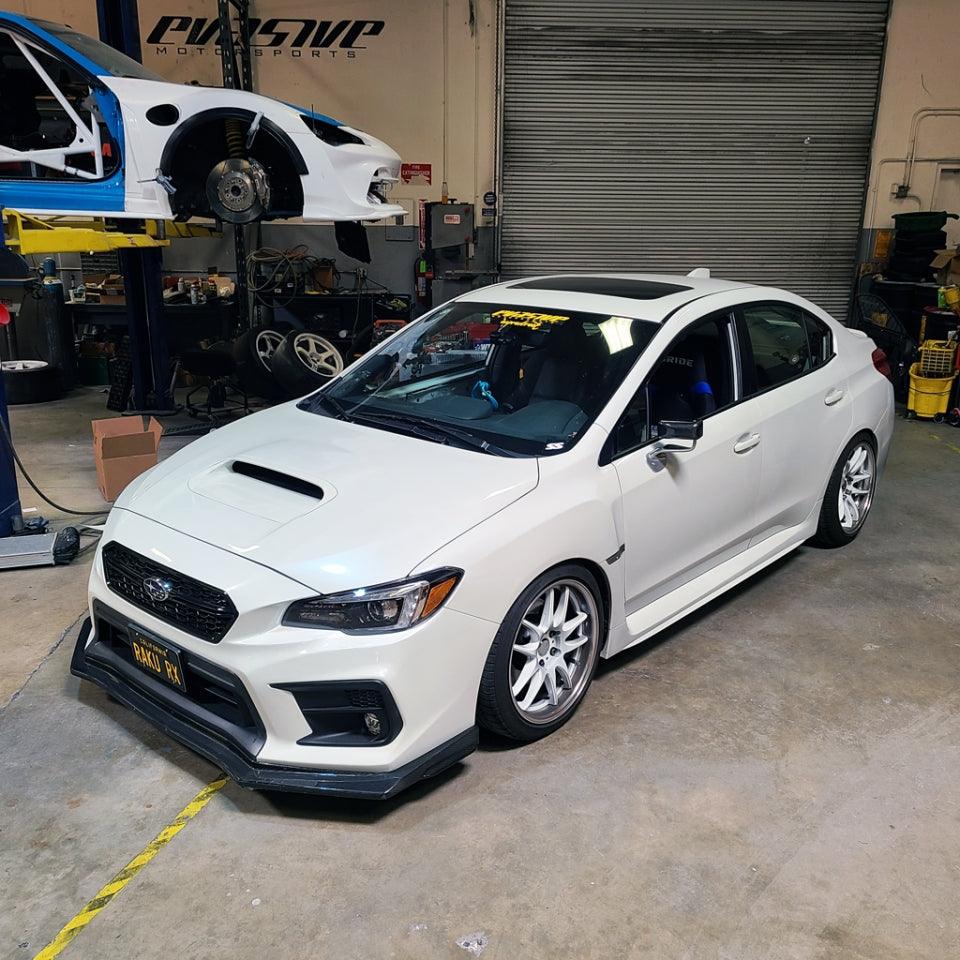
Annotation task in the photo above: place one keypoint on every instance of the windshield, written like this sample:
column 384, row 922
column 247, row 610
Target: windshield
column 113, row 61
column 514, row 380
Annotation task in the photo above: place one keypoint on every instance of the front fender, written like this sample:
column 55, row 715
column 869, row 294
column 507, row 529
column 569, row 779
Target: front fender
column 569, row 516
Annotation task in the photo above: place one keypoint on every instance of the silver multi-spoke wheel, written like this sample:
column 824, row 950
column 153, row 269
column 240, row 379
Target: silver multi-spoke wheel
column 856, row 487
column 318, row 353
column 554, row 651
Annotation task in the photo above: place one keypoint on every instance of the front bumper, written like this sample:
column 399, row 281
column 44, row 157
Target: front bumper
column 220, row 743
column 432, row 673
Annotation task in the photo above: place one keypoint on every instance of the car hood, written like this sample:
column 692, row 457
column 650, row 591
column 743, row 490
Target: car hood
column 368, row 505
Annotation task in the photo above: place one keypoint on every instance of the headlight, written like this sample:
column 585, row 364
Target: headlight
column 391, row 606
column 330, row 132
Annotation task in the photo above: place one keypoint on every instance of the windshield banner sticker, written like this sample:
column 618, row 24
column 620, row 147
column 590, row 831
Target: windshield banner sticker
column 523, row 318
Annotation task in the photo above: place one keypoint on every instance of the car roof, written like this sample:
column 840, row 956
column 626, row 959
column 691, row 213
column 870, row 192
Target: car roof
column 643, row 296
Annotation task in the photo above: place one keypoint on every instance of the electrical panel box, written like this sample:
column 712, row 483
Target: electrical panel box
column 451, row 224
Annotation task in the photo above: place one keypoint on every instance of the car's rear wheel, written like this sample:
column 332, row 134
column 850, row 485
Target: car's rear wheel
column 849, row 495
column 543, row 657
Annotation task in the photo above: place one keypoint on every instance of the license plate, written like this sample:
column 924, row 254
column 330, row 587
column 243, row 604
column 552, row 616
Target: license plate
column 156, row 658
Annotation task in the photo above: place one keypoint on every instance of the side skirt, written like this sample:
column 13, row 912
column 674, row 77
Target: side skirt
column 661, row 613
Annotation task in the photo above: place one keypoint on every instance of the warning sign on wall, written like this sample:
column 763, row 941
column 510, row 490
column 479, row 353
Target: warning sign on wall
column 416, row 172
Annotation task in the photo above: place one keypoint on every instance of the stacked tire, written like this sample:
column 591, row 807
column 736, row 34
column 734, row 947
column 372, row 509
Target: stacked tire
column 31, row 381
column 304, row 362
column 253, row 352
column 274, row 364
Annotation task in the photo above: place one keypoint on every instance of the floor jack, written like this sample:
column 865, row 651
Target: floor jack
column 23, row 543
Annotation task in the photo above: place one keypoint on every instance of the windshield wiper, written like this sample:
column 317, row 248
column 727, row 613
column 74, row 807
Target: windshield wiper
column 436, row 430
column 334, row 404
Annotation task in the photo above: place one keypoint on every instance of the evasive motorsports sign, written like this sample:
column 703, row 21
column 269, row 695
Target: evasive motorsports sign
column 271, row 37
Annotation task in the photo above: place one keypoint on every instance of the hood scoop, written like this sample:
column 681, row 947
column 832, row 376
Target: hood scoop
column 274, row 495
column 277, row 479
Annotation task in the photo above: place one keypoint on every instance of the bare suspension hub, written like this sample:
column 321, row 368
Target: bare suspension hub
column 238, row 190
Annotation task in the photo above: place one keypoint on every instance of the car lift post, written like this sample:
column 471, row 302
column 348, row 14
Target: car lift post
column 119, row 25
column 237, row 70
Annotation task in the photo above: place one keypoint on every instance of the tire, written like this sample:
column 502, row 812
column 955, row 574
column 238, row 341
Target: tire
column 30, row 381
column 535, row 711
column 253, row 352
column 304, row 362
column 838, row 526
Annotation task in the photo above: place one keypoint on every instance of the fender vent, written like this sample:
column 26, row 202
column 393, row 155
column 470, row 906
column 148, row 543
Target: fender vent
column 163, row 115
column 277, row 479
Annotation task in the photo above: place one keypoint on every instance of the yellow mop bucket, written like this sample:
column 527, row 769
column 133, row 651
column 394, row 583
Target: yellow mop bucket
column 928, row 396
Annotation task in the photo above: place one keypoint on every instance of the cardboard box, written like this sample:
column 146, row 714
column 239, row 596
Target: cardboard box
column 946, row 266
column 123, row 447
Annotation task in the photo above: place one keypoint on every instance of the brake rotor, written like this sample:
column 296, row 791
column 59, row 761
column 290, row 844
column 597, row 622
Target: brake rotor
column 238, row 191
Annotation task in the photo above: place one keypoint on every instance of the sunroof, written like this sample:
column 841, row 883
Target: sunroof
column 606, row 286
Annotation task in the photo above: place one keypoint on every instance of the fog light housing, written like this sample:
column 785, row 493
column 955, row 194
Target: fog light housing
column 346, row 713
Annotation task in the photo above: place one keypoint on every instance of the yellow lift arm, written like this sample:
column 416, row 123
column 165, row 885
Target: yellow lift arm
column 27, row 235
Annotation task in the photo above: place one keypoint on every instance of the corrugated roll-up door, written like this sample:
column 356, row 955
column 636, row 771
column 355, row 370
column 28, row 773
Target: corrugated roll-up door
column 662, row 135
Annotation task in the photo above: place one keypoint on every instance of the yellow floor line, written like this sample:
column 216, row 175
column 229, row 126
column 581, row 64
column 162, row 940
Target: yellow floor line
column 946, row 443
column 107, row 893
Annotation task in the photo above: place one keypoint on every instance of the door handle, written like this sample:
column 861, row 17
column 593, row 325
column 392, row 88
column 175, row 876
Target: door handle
column 747, row 442
column 833, row 396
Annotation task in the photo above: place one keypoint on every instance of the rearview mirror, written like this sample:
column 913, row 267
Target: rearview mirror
column 674, row 436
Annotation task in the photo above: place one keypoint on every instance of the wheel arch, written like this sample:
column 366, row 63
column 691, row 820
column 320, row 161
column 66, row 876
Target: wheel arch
column 216, row 115
column 202, row 134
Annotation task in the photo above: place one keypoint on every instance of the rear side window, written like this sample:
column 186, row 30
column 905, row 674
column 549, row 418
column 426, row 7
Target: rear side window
column 778, row 341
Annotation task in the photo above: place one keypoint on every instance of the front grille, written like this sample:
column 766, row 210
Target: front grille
column 194, row 607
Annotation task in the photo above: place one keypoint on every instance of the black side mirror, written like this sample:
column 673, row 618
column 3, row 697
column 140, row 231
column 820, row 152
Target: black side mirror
column 680, row 430
column 673, row 436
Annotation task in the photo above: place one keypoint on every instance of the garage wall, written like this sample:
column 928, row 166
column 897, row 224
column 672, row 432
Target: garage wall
column 921, row 74
column 656, row 135
column 79, row 14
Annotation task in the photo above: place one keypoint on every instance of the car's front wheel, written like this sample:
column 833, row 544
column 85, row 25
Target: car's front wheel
column 543, row 657
column 849, row 495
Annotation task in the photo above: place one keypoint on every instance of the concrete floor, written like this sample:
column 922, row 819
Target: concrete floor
column 777, row 777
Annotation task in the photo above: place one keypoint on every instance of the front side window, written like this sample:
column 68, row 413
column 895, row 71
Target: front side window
column 509, row 379
column 51, row 127
column 692, row 379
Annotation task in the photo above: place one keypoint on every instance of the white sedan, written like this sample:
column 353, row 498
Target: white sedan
column 91, row 131
column 334, row 595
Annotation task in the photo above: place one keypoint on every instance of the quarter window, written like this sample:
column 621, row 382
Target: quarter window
column 820, row 339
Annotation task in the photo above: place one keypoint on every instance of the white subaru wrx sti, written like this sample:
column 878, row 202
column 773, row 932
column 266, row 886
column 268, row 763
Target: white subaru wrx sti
column 334, row 595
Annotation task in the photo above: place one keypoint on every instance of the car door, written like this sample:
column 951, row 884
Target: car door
column 698, row 510
column 790, row 367
column 60, row 135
